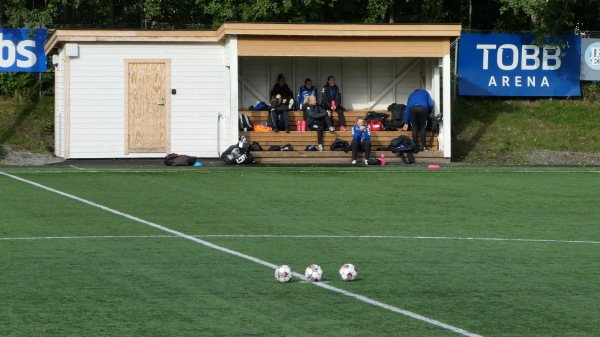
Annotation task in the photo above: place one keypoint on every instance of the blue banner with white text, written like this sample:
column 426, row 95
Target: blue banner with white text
column 21, row 52
column 518, row 65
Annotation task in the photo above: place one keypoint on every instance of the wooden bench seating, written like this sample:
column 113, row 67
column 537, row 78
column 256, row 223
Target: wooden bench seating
column 262, row 116
column 302, row 139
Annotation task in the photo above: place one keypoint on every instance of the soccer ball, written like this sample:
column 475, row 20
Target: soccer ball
column 314, row 273
column 283, row 273
column 348, row 272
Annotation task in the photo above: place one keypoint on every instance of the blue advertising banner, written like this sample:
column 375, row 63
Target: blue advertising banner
column 515, row 65
column 590, row 59
column 20, row 52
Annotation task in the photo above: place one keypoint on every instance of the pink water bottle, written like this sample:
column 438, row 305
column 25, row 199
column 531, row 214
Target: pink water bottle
column 333, row 104
column 299, row 126
column 303, row 125
column 382, row 159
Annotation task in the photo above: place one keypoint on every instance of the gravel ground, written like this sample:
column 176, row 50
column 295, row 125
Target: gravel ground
column 14, row 157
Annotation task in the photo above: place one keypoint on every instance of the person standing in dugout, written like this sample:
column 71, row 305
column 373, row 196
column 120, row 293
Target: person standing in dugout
column 419, row 105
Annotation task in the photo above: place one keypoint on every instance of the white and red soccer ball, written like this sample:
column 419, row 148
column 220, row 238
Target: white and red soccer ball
column 348, row 272
column 283, row 274
column 313, row 273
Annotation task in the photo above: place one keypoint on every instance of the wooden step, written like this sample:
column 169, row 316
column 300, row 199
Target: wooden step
column 340, row 157
column 263, row 116
column 302, row 139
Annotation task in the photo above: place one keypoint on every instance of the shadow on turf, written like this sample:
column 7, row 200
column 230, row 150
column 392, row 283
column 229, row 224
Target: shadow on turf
column 469, row 110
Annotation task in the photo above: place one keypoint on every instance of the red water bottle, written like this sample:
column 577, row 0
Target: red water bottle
column 382, row 159
column 303, row 126
column 299, row 126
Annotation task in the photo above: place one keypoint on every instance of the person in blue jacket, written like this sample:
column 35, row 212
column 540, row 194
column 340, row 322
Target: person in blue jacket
column 304, row 92
column 419, row 105
column 361, row 140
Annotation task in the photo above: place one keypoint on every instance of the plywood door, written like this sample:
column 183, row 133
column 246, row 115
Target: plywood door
column 148, row 106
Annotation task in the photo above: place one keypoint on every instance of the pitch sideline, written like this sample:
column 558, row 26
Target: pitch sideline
column 361, row 298
column 284, row 236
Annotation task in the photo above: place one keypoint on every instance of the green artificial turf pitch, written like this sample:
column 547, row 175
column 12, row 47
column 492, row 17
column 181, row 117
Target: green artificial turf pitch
column 493, row 251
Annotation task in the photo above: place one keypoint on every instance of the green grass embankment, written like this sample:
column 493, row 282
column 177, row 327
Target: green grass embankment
column 27, row 125
column 488, row 131
column 494, row 131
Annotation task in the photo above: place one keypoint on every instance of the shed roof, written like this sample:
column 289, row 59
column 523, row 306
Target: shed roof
column 349, row 39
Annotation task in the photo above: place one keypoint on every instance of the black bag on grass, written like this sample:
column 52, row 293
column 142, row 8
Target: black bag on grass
column 174, row 159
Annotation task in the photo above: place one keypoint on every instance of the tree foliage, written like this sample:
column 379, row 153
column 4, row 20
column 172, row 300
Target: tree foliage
column 550, row 16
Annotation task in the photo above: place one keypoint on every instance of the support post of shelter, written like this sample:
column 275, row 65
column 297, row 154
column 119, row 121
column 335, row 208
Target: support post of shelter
column 447, row 104
column 233, row 88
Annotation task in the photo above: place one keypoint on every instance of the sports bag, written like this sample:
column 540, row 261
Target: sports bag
column 255, row 146
column 435, row 127
column 340, row 145
column 238, row 154
column 287, row 147
column 244, row 123
column 261, row 127
column 398, row 113
column 373, row 161
column 376, row 125
column 259, row 106
column 174, row 159
column 275, row 148
column 403, row 144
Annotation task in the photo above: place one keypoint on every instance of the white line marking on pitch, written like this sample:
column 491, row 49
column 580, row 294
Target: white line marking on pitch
column 88, row 237
column 273, row 236
column 285, row 170
column 251, row 258
column 449, row 238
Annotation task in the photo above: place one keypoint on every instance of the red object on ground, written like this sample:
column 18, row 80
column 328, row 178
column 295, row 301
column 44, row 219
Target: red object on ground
column 433, row 167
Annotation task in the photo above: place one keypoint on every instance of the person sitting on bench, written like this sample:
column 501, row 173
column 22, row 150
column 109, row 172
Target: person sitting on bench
column 317, row 119
column 277, row 112
column 281, row 88
column 331, row 99
column 361, row 140
column 306, row 90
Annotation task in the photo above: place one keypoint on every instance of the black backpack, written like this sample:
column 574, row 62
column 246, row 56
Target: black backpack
column 244, row 122
column 340, row 145
column 403, row 144
column 398, row 113
column 275, row 148
column 255, row 147
column 435, row 126
column 287, row 147
column 174, row 159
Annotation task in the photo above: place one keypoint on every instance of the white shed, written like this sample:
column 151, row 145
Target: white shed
column 146, row 93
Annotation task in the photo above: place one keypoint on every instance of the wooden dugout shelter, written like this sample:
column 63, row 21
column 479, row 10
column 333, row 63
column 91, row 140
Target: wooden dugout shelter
column 146, row 93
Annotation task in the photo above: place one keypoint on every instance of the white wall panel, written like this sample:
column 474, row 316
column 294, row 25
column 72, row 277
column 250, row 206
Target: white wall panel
column 360, row 79
column 98, row 97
